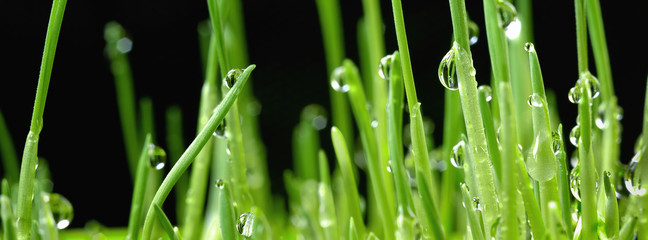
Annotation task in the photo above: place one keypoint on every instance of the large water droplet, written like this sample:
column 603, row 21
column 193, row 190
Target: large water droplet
column 124, row 45
column 634, row 180
column 338, row 83
column 514, row 29
column 245, row 224
column 535, row 100
column 231, row 77
column 447, row 71
column 574, row 135
column 574, row 182
column 473, row 32
column 594, row 83
column 529, row 47
column 62, row 210
column 575, row 94
column 157, row 157
column 541, row 163
column 486, row 91
column 457, row 157
column 220, row 130
column 507, row 12
column 556, row 142
column 384, row 66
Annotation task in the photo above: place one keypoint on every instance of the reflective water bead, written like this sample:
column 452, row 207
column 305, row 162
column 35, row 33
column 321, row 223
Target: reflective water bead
column 556, row 142
column 374, row 123
column 574, row 94
column 157, row 157
column 514, row 29
column 338, row 83
column 535, row 100
column 507, row 12
column 574, row 135
column 574, row 182
column 384, row 66
column 600, row 117
column 220, row 183
column 529, row 47
column 594, row 83
column 447, row 72
column 124, row 45
column 457, row 157
column 473, row 32
column 486, row 91
column 62, row 210
column 633, row 179
column 245, row 224
column 231, row 77
column 220, row 130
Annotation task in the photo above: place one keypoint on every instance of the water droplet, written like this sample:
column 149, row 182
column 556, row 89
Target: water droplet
column 486, row 91
column 157, row 156
column 535, row 100
column 220, row 130
column 476, row 203
column 124, row 45
column 220, row 183
column 316, row 114
column 231, row 77
column 507, row 12
column 556, row 142
column 574, row 182
column 374, row 123
column 600, row 117
column 447, row 71
column 513, row 30
column 457, row 158
column 575, row 94
column 529, row 47
column 634, row 180
column 338, row 83
column 473, row 32
column 384, row 66
column 594, row 83
column 574, row 135
column 245, row 224
column 62, row 210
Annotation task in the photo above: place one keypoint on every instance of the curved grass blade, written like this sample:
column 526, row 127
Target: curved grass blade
column 166, row 224
column 195, row 147
column 344, row 163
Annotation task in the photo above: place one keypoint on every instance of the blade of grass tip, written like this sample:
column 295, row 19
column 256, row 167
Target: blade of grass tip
column 117, row 47
column 364, row 55
column 642, row 173
column 587, row 165
column 377, row 172
column 195, row 147
column 139, row 190
column 509, row 189
column 324, row 175
column 394, row 137
column 175, row 145
column 628, row 230
column 147, row 126
column 424, row 177
column 332, row 34
column 226, row 210
column 8, row 151
column 306, row 146
column 472, row 115
column 8, row 228
column 473, row 221
column 29, row 158
column 611, row 207
column 344, row 163
column 165, row 223
column 353, row 232
column 327, row 215
column 530, row 201
column 563, row 178
column 485, row 96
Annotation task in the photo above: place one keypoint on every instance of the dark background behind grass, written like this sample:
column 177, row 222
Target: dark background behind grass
column 82, row 138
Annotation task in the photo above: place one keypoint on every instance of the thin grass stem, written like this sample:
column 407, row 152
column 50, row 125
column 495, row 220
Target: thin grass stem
column 139, row 190
column 344, row 163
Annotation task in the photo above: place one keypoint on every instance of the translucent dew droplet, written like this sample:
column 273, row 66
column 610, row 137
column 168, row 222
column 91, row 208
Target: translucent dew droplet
column 574, row 135
column 476, row 203
column 541, row 163
column 220, row 183
column 574, row 182
column 535, row 100
column 473, row 32
column 220, row 130
column 529, row 47
column 600, row 117
column 486, row 91
column 594, row 83
column 457, row 157
column 231, row 77
column 338, row 83
column 634, row 180
column 447, row 71
column 507, row 12
column 384, row 66
column 514, row 29
column 157, row 157
column 574, row 94
column 62, row 210
column 556, row 142
column 374, row 123
column 124, row 45
column 245, row 224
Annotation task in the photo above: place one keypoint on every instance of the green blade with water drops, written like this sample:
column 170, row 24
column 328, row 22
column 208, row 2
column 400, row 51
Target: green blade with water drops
column 587, row 164
column 473, row 221
column 226, row 210
column 611, row 207
column 485, row 96
column 531, row 205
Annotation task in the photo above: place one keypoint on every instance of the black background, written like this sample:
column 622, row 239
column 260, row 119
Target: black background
column 82, row 137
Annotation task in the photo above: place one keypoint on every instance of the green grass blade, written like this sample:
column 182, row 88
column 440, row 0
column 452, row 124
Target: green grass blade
column 629, row 228
column 121, row 71
column 305, row 149
column 530, row 201
column 426, row 183
column 588, row 167
column 452, row 130
column 344, row 163
column 353, row 232
column 29, row 158
column 226, row 211
column 599, row 48
column 8, row 220
column 327, row 216
column 175, row 145
column 195, row 147
column 139, row 191
column 324, row 172
column 403, row 49
column 332, row 34
column 563, row 180
column 377, row 173
column 509, row 175
column 519, row 73
column 473, row 221
column 489, row 130
column 581, row 35
column 611, row 207
column 165, row 223
column 8, row 150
